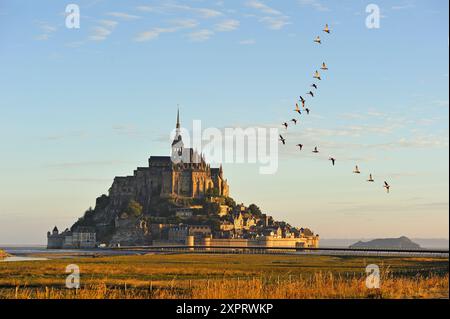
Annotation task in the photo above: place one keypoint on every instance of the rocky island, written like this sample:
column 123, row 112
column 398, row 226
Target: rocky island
column 177, row 199
column 388, row 243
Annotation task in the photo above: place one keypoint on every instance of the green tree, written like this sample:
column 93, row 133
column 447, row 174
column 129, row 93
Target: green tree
column 230, row 202
column 211, row 209
column 255, row 210
column 133, row 209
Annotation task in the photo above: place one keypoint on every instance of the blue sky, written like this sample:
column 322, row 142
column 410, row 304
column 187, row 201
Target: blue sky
column 80, row 106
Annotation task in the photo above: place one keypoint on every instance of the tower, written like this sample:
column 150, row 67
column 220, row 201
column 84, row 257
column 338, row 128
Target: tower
column 177, row 144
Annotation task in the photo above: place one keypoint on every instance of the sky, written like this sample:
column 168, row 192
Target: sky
column 80, row 106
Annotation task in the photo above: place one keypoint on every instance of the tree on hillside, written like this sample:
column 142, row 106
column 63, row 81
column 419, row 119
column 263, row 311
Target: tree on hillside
column 255, row 210
column 133, row 209
column 230, row 202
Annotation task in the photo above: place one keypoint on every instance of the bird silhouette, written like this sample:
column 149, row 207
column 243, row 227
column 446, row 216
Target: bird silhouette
column 357, row 171
column 295, row 121
column 317, row 40
column 302, row 99
column 283, row 140
column 317, row 76
column 371, row 180
column 316, row 150
column 327, row 29
column 286, row 125
column 311, row 93
column 297, row 109
column 307, row 111
column 300, row 146
column 333, row 160
column 314, row 86
column 324, row 67
column 387, row 186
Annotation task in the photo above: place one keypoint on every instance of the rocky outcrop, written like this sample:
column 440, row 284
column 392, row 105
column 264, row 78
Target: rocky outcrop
column 132, row 233
column 387, row 243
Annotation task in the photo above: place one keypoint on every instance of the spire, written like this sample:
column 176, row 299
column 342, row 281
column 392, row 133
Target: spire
column 178, row 119
column 178, row 140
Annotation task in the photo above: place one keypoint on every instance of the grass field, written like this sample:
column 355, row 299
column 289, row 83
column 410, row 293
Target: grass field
column 226, row 276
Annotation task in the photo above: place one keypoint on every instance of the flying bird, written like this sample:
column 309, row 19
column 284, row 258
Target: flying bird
column 357, row 171
column 316, row 150
column 387, row 186
column 327, row 29
column 285, row 125
column 333, row 160
column 371, row 180
column 324, row 66
column 302, row 99
column 314, row 86
column 317, row 40
column 311, row 93
column 283, row 140
column 295, row 121
column 307, row 111
column 317, row 76
column 297, row 109
column 300, row 146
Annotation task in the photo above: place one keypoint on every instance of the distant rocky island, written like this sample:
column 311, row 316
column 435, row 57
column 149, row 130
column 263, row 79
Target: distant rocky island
column 388, row 243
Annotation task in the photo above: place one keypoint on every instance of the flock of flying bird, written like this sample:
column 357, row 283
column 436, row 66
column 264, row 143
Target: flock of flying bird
column 312, row 93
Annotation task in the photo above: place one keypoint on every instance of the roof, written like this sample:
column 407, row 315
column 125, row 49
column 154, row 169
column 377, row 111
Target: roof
column 160, row 159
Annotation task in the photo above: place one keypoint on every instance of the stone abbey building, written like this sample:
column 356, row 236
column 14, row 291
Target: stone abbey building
column 184, row 174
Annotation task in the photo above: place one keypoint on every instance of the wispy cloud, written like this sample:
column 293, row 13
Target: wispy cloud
column 152, row 34
column 227, row 25
column 103, row 30
column 420, row 141
column 315, row 4
column 175, row 26
column 109, row 23
column 247, row 42
column 126, row 129
column 123, row 15
column 100, row 33
column 200, row 35
column 403, row 7
column 274, row 19
column 146, row 9
column 276, row 23
column 206, row 13
column 262, row 7
column 46, row 31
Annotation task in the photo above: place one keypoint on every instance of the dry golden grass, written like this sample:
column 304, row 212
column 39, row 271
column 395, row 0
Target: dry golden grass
column 3, row 254
column 225, row 276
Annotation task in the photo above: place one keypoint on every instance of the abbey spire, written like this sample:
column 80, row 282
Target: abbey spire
column 177, row 144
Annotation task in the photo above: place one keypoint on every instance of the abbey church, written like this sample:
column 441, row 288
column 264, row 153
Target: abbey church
column 184, row 174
